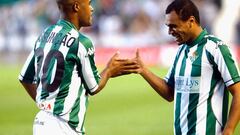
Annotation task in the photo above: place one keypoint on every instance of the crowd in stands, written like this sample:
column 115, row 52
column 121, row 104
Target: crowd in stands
column 117, row 23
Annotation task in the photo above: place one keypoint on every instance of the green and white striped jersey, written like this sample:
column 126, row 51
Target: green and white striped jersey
column 62, row 64
column 200, row 74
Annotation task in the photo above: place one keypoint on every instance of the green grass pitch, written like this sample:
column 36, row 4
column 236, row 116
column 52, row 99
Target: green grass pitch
column 127, row 105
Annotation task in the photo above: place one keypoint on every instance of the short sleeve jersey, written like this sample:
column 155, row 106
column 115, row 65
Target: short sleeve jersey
column 62, row 65
column 199, row 76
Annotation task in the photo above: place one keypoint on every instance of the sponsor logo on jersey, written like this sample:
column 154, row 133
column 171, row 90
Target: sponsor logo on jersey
column 90, row 51
column 187, row 84
column 38, row 122
column 45, row 106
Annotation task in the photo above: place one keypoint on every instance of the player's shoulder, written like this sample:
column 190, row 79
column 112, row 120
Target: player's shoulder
column 213, row 42
column 85, row 41
column 213, row 39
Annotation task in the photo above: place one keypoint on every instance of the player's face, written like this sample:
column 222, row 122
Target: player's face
column 179, row 29
column 85, row 13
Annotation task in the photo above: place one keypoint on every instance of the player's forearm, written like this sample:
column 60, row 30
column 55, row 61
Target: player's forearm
column 31, row 89
column 104, row 78
column 234, row 114
column 158, row 84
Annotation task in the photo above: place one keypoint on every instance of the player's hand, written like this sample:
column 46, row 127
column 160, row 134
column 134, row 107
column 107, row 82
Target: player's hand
column 118, row 66
column 140, row 63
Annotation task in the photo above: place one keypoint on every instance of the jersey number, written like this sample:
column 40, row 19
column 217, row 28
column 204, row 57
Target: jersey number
column 47, row 69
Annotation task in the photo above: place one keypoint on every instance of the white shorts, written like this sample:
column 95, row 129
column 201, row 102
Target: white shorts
column 46, row 123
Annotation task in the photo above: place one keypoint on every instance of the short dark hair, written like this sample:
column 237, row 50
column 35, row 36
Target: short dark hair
column 185, row 9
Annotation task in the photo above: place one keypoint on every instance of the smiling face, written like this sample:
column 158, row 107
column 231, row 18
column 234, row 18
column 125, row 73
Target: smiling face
column 179, row 29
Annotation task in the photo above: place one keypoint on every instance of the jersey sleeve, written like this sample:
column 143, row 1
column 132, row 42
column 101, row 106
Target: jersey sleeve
column 28, row 74
column 89, row 72
column 169, row 78
column 226, row 64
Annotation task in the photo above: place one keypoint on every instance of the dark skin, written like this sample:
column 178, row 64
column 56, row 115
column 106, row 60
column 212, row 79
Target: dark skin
column 184, row 32
column 79, row 13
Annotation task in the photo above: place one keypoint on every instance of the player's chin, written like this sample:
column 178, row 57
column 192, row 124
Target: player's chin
column 87, row 24
column 180, row 41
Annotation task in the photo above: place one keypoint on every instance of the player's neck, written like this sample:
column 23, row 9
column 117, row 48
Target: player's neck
column 197, row 31
column 72, row 20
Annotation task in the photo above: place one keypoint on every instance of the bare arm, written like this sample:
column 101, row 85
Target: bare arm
column 30, row 88
column 234, row 114
column 157, row 83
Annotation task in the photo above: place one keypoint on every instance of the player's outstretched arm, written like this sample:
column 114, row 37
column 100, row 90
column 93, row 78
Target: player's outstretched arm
column 157, row 83
column 234, row 114
column 116, row 67
column 30, row 88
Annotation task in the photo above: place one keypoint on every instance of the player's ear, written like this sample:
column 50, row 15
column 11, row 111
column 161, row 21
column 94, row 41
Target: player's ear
column 76, row 6
column 191, row 20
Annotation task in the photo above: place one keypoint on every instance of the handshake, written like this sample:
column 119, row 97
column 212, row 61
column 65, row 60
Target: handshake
column 119, row 66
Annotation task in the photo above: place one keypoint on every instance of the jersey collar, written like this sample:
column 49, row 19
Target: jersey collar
column 66, row 24
column 199, row 38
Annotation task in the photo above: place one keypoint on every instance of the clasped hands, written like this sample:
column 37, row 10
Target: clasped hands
column 118, row 66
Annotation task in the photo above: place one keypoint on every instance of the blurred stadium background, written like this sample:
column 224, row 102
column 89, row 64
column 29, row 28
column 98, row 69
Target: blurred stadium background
column 127, row 105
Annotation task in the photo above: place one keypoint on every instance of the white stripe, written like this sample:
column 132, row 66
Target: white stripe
column 86, row 68
column 51, row 98
column 218, row 129
column 236, row 65
column 219, row 60
column 223, row 68
column 83, row 108
column 47, row 48
column 37, row 44
column 177, row 71
column 179, row 63
column 75, row 80
column 185, row 96
column 217, row 101
column 25, row 66
column 72, row 94
column 206, row 74
column 184, row 112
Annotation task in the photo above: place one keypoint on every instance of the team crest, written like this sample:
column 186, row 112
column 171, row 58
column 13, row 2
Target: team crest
column 193, row 57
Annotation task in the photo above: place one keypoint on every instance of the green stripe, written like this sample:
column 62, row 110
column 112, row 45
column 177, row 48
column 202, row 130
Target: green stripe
column 74, row 119
column 216, row 76
column 171, row 79
column 67, row 76
column 192, row 113
column 178, row 97
column 196, row 65
column 30, row 72
column 64, row 87
column 86, row 105
column 55, row 46
column 229, row 62
column 225, row 107
column 211, row 119
column 183, row 65
column 177, row 114
column 194, row 97
column 43, row 41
